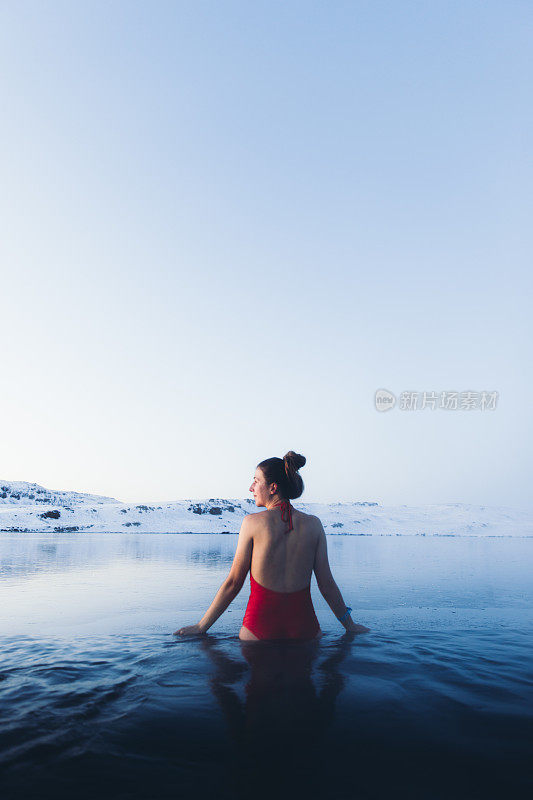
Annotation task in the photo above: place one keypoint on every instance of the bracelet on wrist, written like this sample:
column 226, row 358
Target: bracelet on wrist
column 346, row 613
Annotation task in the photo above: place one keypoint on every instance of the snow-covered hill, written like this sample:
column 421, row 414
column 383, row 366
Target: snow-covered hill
column 27, row 507
column 23, row 494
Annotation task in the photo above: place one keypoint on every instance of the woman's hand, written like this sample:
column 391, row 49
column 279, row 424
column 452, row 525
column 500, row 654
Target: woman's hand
column 190, row 630
column 355, row 628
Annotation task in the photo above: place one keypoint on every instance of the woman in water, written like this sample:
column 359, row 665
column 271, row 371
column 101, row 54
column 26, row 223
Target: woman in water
column 281, row 547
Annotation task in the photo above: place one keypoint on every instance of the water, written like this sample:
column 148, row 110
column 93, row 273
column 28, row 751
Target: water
column 99, row 700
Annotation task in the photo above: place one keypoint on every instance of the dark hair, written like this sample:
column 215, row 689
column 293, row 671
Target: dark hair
column 284, row 472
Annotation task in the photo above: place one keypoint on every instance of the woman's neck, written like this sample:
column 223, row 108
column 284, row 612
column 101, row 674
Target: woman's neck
column 275, row 502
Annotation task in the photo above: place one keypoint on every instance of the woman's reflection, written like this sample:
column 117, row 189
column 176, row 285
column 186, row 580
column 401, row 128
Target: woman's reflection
column 279, row 729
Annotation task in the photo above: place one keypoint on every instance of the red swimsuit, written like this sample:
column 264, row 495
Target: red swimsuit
column 280, row 615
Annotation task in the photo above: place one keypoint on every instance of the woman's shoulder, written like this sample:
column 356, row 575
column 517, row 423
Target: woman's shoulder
column 312, row 521
column 266, row 513
column 257, row 517
column 304, row 514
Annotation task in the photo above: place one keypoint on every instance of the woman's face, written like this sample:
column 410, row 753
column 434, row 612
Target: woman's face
column 259, row 488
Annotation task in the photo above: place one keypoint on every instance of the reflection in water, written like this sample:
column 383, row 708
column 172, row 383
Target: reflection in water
column 279, row 729
column 32, row 554
column 209, row 556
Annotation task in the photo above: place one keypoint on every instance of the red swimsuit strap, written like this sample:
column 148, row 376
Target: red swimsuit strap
column 286, row 513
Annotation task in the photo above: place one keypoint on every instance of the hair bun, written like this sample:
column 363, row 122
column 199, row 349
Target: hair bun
column 293, row 461
column 284, row 472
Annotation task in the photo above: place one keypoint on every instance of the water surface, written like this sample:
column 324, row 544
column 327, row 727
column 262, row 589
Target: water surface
column 100, row 700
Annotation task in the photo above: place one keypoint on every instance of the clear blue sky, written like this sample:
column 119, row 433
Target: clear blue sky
column 226, row 224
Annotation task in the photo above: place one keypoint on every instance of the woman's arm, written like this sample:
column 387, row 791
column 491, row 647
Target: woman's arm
column 231, row 586
column 225, row 595
column 328, row 586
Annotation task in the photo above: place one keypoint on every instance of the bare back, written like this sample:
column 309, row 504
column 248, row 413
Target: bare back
column 284, row 561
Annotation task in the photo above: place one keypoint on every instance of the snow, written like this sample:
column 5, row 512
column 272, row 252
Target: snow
column 28, row 507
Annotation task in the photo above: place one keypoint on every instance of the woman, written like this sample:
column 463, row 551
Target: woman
column 281, row 547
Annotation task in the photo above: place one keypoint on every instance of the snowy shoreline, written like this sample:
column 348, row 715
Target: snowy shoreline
column 29, row 508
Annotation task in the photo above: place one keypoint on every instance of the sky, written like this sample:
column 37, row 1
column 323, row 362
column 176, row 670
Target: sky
column 225, row 225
